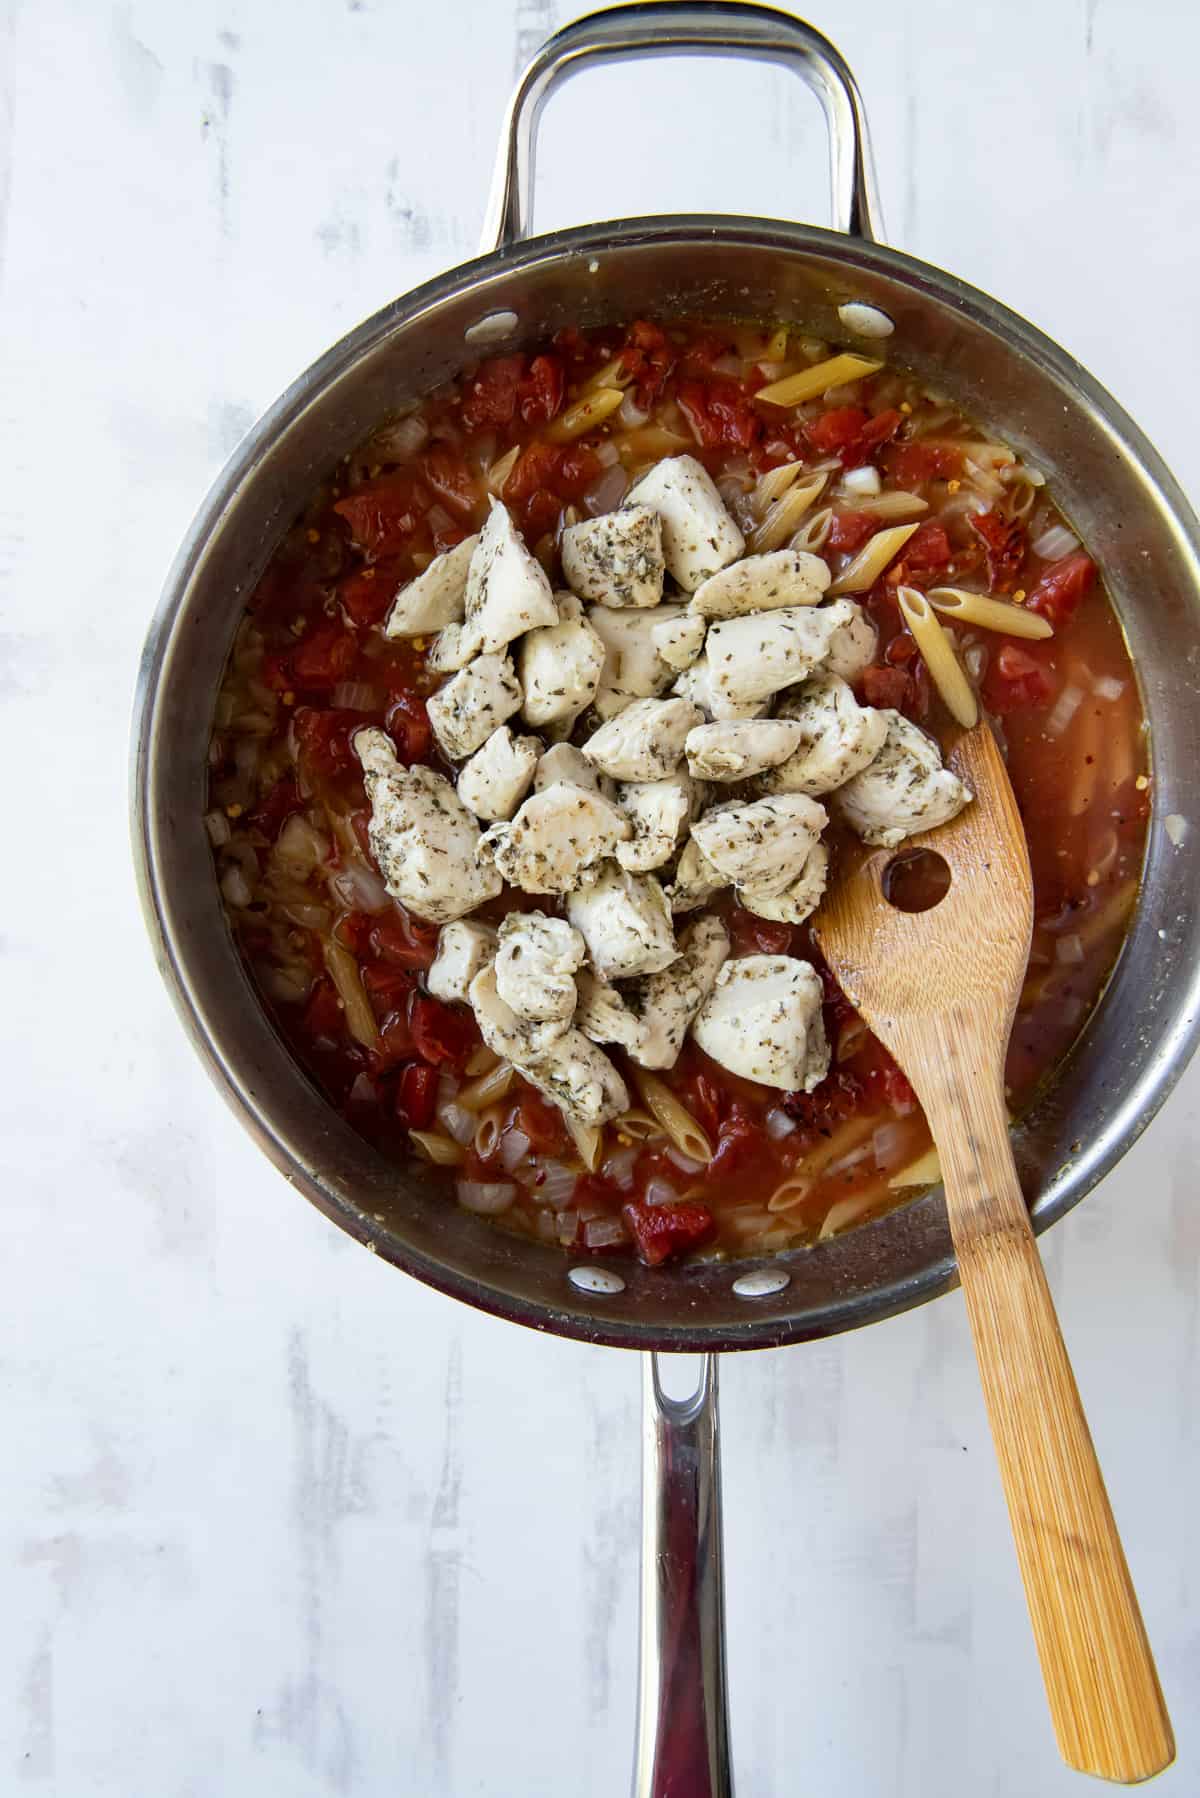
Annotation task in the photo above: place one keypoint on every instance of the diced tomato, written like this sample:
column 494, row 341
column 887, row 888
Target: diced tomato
column 324, row 658
column 491, row 398
column 739, row 1141
column 543, row 390
column 442, row 1034
column 660, row 1231
column 416, row 1095
column 700, row 352
column 407, row 724
column 541, row 1122
column 1016, row 678
column 388, row 986
column 366, row 595
column 720, row 414
column 1061, row 587
column 323, row 741
column 649, row 359
column 926, row 552
column 405, row 941
column 838, row 1097
column 851, row 433
column 886, row 1084
column 545, row 476
column 451, row 479
column 702, row 1097
column 1003, row 540
column 911, row 464
column 272, row 812
column 324, row 1021
column 383, row 513
column 360, row 824
column 276, row 671
column 752, row 935
column 395, row 1045
column 883, row 686
column 848, row 531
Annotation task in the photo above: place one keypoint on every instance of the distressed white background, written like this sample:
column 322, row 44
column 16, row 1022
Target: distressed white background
column 275, row 1519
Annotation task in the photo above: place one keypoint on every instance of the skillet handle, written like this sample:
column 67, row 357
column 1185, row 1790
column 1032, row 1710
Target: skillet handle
column 683, row 1729
column 686, row 28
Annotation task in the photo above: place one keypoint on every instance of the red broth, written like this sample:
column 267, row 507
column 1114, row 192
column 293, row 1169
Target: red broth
column 339, row 964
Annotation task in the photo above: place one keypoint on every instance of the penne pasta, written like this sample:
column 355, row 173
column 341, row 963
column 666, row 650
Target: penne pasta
column 499, row 472
column 584, row 414
column 588, row 1140
column 862, row 572
column 814, row 532
column 922, row 1172
column 343, row 971
column 989, row 614
column 644, row 444
column 487, row 1132
column 1086, row 751
column 775, row 483
column 806, row 1174
column 481, row 1061
column 489, row 1087
column 441, row 1150
column 898, row 506
column 777, row 345
column 638, row 1126
column 784, row 516
column 844, row 1212
column 937, row 652
column 809, row 383
column 614, row 374
column 676, row 1120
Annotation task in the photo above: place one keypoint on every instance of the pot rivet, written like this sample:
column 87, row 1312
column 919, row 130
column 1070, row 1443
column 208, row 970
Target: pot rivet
column 595, row 1279
column 761, row 1283
column 864, row 320
column 493, row 327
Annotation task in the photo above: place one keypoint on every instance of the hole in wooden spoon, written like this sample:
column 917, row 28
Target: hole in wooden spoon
column 916, row 880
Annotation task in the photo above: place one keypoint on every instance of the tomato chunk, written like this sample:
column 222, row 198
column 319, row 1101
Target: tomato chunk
column 406, row 941
column 851, row 433
column 323, row 741
column 720, row 414
column 416, row 1095
column 884, row 686
column 911, row 464
column 848, row 531
column 660, row 1231
column 451, row 479
column 926, row 552
column 1016, row 678
column 543, row 390
column 491, row 398
column 367, row 595
column 383, row 513
column 443, row 1035
column 1003, row 540
column 1061, row 587
column 324, row 658
column 407, row 724
column 272, row 812
column 541, row 1122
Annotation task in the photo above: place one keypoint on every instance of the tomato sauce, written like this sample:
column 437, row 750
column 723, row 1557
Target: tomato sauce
column 340, row 964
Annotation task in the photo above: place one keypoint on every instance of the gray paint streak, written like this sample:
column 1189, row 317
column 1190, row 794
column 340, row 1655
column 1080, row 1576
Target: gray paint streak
column 443, row 1577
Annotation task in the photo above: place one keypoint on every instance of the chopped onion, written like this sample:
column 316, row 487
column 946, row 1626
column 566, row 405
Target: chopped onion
column 285, row 986
column 888, row 1143
column 566, row 1225
column 618, row 1167
column 514, row 1146
column 607, row 453
column 457, row 1122
column 308, row 917
column 355, row 696
column 604, row 1232
column 1064, row 709
column 849, row 1160
column 686, row 1163
column 359, row 888
column 400, row 441
column 558, row 1187
column 606, row 491
column 544, row 1227
column 975, row 660
column 862, row 481
column 437, row 518
column 1069, row 949
column 487, row 1198
column 659, row 1192
column 300, row 846
column 728, row 365
column 236, row 887
column 631, row 415
column 218, row 828
column 1105, row 687
column 246, row 752
column 779, row 1124
column 1055, row 542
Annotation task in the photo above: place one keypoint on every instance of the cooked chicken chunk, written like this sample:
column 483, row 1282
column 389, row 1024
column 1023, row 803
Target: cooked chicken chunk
column 695, row 683
column 763, row 1021
column 633, row 668
column 797, row 901
column 617, row 559
column 853, row 644
column 734, row 751
column 679, row 641
column 422, row 836
column 536, row 963
column 650, row 1017
column 625, row 922
column 507, row 590
column 644, row 741
column 838, row 737
column 565, row 763
column 763, row 845
column 659, row 811
column 750, row 658
column 464, row 950
column 496, row 779
column 555, row 837
column 555, row 1057
column 905, row 788
column 453, row 647
column 436, row 597
column 560, row 666
column 696, row 879
column 698, row 535
column 782, row 577
column 523, row 1041
column 466, row 711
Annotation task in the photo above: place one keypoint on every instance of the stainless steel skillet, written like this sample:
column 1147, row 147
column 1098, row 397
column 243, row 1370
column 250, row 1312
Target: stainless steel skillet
column 1108, row 479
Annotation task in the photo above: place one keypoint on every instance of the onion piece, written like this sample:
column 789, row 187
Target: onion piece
column 236, row 887
column 1105, row 687
column 402, row 440
column 607, row 490
column 686, row 1163
column 631, row 415
column 618, row 1167
column 1064, row 709
column 1069, row 950
column 659, row 1192
column 859, row 482
column 359, row 888
column 558, row 1186
column 457, row 1121
column 218, row 827
column 888, row 1143
column 356, row 695
column 308, row 916
column 514, row 1147
column 1055, row 542
column 779, row 1124
column 604, row 1232
column 300, row 846
column 486, row 1198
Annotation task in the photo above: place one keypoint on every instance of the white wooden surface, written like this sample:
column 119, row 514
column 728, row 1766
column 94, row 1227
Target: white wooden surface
column 274, row 1518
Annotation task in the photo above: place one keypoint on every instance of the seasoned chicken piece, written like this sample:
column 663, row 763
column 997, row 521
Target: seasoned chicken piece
column 560, row 666
column 536, row 963
column 496, row 779
column 695, row 684
column 763, row 845
column 905, row 788
column 659, row 811
column 643, row 742
column 696, row 879
column 507, row 590
column 422, row 836
column 633, row 668
column 853, row 645
column 466, row 711
column 555, row 837
column 436, row 597
column 698, row 535
column 464, row 950
column 782, row 577
column 750, row 658
column 763, row 1021
column 734, row 751
column 616, row 560
column 555, row 1057
column 797, row 901
column 453, row 647
column 679, row 641
column 625, row 922
column 650, row 1017
column 838, row 737
column 566, row 763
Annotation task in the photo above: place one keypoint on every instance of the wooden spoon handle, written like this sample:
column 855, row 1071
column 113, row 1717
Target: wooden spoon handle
column 1105, row 1699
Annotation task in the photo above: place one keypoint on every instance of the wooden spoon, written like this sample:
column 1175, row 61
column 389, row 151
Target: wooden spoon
column 940, row 988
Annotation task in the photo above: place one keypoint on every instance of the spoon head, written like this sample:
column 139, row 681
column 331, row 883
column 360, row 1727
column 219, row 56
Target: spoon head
column 970, row 950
